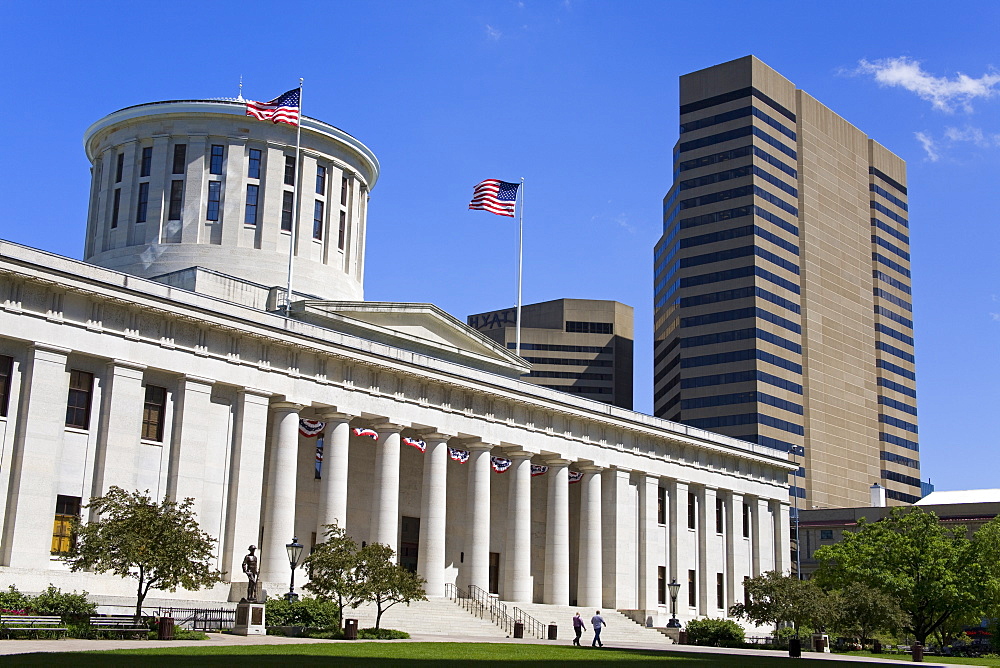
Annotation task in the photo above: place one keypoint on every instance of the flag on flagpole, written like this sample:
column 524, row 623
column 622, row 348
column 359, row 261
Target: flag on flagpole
column 311, row 428
column 500, row 464
column 415, row 443
column 282, row 109
column 495, row 196
column 538, row 469
column 365, row 431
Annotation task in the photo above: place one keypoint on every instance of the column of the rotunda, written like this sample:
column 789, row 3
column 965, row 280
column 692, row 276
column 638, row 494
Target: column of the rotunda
column 433, row 512
column 477, row 529
column 556, row 586
column 385, row 503
column 279, row 514
column 648, row 555
column 590, row 585
column 333, row 484
column 517, row 576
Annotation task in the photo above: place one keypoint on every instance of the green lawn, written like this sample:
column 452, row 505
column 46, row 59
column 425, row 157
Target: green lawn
column 935, row 659
column 422, row 655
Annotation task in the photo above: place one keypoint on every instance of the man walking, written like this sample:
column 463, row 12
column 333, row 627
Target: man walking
column 598, row 622
column 577, row 628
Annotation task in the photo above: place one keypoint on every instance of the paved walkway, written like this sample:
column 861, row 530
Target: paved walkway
column 8, row 647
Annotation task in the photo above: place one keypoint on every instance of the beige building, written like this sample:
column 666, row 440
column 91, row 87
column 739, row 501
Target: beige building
column 580, row 346
column 782, row 288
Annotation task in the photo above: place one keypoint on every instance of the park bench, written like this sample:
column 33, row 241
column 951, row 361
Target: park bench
column 123, row 625
column 34, row 625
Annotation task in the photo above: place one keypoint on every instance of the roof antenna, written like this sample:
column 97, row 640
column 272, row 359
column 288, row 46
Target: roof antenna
column 239, row 98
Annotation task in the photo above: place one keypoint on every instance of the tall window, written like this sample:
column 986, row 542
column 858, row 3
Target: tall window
column 692, row 589
column 250, row 214
column 746, row 521
column 67, row 510
column 343, row 191
column 142, row 206
column 661, row 505
column 720, row 515
column 318, row 220
column 692, row 511
column 215, row 164
column 214, row 197
column 286, row 211
column 81, row 388
column 253, row 169
column 289, row 170
column 180, row 158
column 320, row 180
column 746, row 594
column 116, row 208
column 720, row 591
column 6, row 371
column 120, row 167
column 146, row 165
column 153, row 411
column 342, row 233
column 176, row 200
column 661, row 584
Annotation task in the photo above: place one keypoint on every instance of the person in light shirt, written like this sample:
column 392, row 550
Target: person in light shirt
column 598, row 622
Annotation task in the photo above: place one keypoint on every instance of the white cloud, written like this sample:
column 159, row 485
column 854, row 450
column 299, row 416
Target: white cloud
column 974, row 135
column 943, row 93
column 928, row 143
column 622, row 220
column 492, row 33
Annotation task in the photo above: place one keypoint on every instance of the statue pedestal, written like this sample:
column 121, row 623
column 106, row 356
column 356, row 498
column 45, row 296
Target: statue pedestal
column 249, row 619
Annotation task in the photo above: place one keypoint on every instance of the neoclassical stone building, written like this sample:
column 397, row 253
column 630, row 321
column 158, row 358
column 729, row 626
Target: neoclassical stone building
column 164, row 362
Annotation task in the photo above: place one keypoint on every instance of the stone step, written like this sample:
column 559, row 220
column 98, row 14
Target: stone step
column 435, row 616
column 620, row 628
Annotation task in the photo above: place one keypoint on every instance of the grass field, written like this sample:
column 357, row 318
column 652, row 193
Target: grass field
column 936, row 659
column 410, row 655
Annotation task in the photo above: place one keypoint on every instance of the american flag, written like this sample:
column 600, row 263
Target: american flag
column 365, row 431
column 311, row 428
column 415, row 443
column 500, row 464
column 538, row 469
column 460, row 456
column 282, row 109
column 575, row 476
column 495, row 196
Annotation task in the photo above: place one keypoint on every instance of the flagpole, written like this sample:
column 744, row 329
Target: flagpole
column 520, row 262
column 295, row 206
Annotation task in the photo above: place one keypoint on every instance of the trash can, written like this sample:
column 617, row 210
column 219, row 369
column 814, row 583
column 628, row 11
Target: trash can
column 350, row 629
column 553, row 631
column 876, row 647
column 518, row 629
column 165, row 629
column 918, row 652
column 682, row 637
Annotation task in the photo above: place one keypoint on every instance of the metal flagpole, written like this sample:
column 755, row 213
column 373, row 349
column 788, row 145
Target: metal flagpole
column 295, row 206
column 520, row 262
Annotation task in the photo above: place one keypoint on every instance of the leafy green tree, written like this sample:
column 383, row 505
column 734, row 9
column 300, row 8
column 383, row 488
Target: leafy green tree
column 383, row 582
column 333, row 570
column 160, row 545
column 774, row 598
column 933, row 572
column 861, row 612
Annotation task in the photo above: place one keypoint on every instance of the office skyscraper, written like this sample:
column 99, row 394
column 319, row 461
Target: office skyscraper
column 782, row 286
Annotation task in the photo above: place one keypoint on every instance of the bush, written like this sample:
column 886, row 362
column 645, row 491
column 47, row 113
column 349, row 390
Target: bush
column 382, row 634
column 715, row 632
column 331, row 634
column 307, row 612
column 53, row 601
column 13, row 602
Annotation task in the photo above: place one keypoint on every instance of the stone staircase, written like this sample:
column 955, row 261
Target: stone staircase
column 621, row 631
column 435, row 616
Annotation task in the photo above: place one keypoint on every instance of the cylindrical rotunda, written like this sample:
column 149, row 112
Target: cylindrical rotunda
column 197, row 183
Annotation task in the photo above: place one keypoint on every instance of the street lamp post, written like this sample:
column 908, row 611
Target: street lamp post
column 294, row 550
column 674, row 588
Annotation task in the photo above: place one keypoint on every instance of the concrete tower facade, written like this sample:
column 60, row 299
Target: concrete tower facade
column 782, row 289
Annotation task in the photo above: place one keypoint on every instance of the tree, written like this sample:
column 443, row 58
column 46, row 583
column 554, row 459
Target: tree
column 861, row 611
column 774, row 598
column 333, row 570
column 159, row 545
column 383, row 582
column 934, row 572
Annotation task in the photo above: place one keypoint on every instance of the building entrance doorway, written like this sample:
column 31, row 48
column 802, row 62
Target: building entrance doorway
column 409, row 542
column 494, row 572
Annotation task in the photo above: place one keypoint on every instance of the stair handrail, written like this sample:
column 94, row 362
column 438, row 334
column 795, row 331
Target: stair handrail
column 497, row 610
column 532, row 626
column 479, row 602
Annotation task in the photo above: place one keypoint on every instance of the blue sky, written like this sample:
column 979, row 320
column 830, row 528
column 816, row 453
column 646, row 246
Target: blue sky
column 579, row 97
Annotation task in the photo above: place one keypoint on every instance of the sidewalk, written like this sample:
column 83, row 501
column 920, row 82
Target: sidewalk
column 8, row 647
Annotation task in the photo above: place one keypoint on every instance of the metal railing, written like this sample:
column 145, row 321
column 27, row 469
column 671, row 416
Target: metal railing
column 532, row 627
column 480, row 603
column 198, row 619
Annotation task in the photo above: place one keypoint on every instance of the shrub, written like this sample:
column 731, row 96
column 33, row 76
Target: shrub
column 53, row 601
column 382, row 634
column 14, row 602
column 307, row 612
column 715, row 632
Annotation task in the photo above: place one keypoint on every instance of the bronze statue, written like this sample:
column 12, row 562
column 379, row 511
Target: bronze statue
column 250, row 568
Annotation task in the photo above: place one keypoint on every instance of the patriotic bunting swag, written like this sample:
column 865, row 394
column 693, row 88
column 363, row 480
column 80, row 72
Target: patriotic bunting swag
column 311, row 428
column 319, row 458
column 460, row 456
column 575, row 476
column 415, row 443
column 365, row 431
column 537, row 469
column 500, row 464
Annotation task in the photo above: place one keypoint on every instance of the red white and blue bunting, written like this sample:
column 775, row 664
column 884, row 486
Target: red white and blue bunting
column 575, row 476
column 460, row 456
column 538, row 469
column 500, row 464
column 365, row 431
column 415, row 443
column 311, row 428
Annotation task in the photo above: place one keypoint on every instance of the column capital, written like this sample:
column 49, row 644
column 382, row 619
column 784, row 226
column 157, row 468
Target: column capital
column 478, row 445
column 556, row 461
column 200, row 380
column 517, row 454
column 589, row 468
column 125, row 364
column 434, row 434
column 333, row 414
column 254, row 392
column 287, row 406
column 389, row 427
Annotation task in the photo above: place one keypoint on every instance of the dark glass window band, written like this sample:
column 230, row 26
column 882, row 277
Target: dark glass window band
column 736, row 95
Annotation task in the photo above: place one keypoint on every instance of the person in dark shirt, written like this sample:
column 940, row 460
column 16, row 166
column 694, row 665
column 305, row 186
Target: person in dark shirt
column 577, row 628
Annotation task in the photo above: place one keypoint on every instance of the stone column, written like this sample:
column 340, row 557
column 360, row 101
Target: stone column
column 711, row 552
column 433, row 508
column 755, row 535
column 590, row 584
column 620, row 536
column 279, row 514
column 385, row 504
column 477, row 531
column 333, row 485
column 31, row 501
column 190, row 439
column 517, row 576
column 782, row 540
column 122, row 399
column 683, row 545
column 736, row 557
column 649, row 491
column 556, row 586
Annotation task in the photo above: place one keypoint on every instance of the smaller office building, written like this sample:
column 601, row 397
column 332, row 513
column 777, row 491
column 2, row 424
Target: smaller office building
column 580, row 346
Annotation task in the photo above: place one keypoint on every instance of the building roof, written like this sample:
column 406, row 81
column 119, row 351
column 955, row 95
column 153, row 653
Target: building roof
column 960, row 496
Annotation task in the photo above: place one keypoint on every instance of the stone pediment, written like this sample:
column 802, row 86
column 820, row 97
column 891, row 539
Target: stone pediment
column 423, row 329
